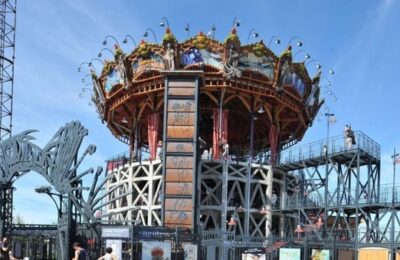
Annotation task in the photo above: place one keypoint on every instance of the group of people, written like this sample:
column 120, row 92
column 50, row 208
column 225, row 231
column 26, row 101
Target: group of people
column 82, row 254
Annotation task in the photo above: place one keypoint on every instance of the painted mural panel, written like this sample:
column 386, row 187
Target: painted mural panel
column 319, row 254
column 181, row 119
column 180, row 147
column 179, row 188
column 181, row 106
column 291, row 78
column 289, row 253
column 191, row 56
column 179, row 175
column 179, row 204
column 180, row 131
column 156, row 250
column 179, row 162
column 263, row 64
column 178, row 218
column 112, row 79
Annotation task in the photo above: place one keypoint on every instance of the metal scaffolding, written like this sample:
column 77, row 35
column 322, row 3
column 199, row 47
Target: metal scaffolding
column 7, row 57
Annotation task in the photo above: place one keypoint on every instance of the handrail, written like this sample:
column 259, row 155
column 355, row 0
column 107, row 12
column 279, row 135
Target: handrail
column 328, row 147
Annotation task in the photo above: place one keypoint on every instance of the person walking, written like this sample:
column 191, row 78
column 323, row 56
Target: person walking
column 108, row 255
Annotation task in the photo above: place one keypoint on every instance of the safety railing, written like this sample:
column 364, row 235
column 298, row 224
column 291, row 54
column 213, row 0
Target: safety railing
column 329, row 147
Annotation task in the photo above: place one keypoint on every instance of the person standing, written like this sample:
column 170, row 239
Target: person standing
column 5, row 251
column 108, row 255
column 80, row 253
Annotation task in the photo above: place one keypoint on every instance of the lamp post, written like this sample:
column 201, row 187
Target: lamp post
column 298, row 43
column 112, row 37
column 306, row 56
column 252, row 33
column 277, row 41
column 330, row 118
column 187, row 29
column 330, row 71
column 236, row 22
column 145, row 34
column 212, row 32
column 47, row 190
column 164, row 21
column 125, row 41
column 394, row 200
column 104, row 49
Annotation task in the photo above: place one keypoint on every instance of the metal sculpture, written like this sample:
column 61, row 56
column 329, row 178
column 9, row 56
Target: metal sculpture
column 58, row 163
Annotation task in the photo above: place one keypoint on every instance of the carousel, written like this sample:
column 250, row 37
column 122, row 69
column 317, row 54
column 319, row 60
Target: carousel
column 213, row 117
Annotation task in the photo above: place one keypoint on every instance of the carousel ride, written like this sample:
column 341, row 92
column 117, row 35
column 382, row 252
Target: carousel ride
column 248, row 82
column 228, row 108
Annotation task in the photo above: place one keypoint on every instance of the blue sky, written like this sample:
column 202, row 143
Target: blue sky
column 359, row 39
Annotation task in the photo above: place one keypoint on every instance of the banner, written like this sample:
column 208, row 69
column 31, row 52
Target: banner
column 155, row 250
column 319, row 254
column 253, row 257
column 116, row 246
column 289, row 253
column 190, row 251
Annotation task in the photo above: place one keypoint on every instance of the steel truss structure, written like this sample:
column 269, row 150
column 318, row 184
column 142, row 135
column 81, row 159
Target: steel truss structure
column 143, row 204
column 8, row 11
column 339, row 202
column 330, row 190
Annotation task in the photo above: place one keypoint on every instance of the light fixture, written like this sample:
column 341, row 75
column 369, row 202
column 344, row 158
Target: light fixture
column 124, row 121
column 252, row 33
column 263, row 211
column 164, row 21
column 145, row 34
column 112, row 37
column 240, row 209
column 299, row 229
column 307, row 56
column 261, row 110
column 277, row 41
column 298, row 43
column 236, row 22
column 319, row 222
column 232, row 222
column 125, row 41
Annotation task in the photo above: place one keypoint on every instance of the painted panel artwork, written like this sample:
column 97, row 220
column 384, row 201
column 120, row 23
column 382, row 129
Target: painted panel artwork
column 293, row 79
column 112, row 79
column 212, row 58
column 289, row 253
column 191, row 56
column 264, row 65
column 156, row 250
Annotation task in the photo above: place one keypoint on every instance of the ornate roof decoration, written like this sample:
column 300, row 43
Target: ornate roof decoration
column 200, row 41
column 169, row 38
column 144, row 50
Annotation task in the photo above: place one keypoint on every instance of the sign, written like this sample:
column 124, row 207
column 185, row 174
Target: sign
column 289, row 253
column 319, row 254
column 190, row 251
column 180, row 138
column 155, row 250
column 116, row 246
column 115, row 232
column 253, row 256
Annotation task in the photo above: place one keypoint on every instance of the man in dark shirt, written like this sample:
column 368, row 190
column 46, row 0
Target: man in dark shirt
column 80, row 253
